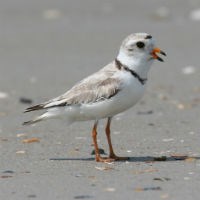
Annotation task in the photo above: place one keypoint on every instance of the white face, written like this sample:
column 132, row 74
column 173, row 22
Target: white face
column 138, row 46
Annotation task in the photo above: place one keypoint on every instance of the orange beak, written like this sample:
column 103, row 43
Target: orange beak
column 155, row 56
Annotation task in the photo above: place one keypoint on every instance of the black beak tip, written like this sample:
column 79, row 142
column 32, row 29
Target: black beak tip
column 160, row 59
column 163, row 53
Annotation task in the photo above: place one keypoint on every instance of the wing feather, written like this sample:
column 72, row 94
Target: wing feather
column 97, row 87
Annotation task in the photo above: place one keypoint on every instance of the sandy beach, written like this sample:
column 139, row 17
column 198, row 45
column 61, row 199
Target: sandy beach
column 46, row 47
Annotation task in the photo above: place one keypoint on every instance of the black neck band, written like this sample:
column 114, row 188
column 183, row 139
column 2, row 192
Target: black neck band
column 120, row 66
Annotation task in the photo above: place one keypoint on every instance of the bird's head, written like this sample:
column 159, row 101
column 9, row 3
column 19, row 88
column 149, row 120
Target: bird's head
column 140, row 47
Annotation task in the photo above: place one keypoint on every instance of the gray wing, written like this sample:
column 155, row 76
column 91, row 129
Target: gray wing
column 97, row 87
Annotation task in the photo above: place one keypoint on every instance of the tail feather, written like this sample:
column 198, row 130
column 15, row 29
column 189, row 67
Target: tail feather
column 36, row 107
column 49, row 114
column 32, row 121
column 38, row 119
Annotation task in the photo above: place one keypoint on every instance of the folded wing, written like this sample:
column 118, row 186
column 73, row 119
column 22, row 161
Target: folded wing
column 96, row 87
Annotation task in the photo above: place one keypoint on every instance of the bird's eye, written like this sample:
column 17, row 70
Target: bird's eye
column 140, row 44
column 130, row 49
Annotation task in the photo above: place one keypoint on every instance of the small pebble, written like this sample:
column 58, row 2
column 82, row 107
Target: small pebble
column 195, row 15
column 162, row 179
column 78, row 175
column 191, row 173
column 117, row 118
column 25, row 100
column 31, row 140
column 21, row 134
column 8, row 172
column 147, row 189
column 151, row 124
column 191, row 132
column 20, row 152
column 181, row 106
column 168, row 139
column 52, row 14
column 3, row 95
column 139, row 189
column 153, row 188
column 188, row 70
column 110, row 189
column 6, row 176
column 4, row 139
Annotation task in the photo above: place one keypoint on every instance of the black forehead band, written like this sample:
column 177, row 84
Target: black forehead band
column 148, row 37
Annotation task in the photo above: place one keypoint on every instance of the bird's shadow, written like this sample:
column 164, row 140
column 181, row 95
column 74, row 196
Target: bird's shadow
column 144, row 159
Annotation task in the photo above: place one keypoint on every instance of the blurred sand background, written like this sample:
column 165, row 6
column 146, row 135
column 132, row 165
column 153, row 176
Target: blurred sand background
column 45, row 47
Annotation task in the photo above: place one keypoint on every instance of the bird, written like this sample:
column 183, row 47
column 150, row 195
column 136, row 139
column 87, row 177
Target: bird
column 113, row 89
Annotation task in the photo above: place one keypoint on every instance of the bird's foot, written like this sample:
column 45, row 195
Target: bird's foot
column 111, row 158
column 104, row 159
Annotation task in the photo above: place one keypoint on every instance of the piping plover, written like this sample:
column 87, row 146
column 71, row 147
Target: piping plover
column 115, row 88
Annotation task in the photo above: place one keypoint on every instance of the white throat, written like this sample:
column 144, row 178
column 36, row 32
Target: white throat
column 140, row 65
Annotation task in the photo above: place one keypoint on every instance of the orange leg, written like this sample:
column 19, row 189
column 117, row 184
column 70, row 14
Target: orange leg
column 112, row 154
column 97, row 155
